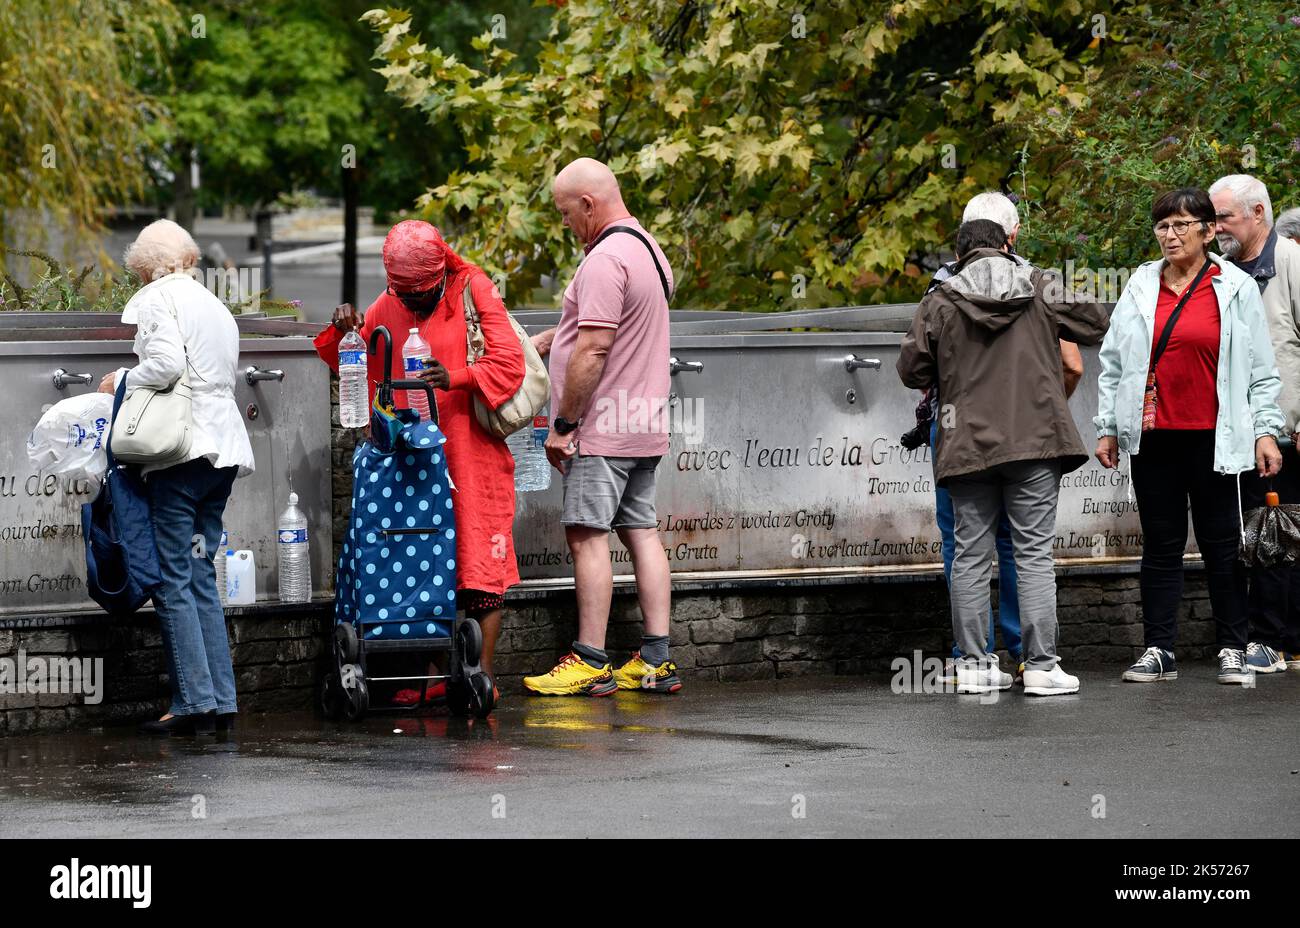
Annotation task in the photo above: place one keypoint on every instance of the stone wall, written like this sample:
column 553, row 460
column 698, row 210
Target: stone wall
column 757, row 633
column 768, row 633
column 278, row 655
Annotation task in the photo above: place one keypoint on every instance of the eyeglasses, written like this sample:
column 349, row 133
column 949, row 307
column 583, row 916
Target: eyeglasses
column 1180, row 227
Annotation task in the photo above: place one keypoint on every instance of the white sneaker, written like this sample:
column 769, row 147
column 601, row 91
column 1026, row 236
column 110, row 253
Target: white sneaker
column 1054, row 682
column 974, row 678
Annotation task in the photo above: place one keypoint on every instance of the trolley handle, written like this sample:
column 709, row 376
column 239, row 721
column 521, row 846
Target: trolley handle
column 385, row 390
column 419, row 385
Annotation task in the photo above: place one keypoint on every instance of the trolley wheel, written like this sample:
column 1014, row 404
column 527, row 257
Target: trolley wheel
column 345, row 638
column 331, row 699
column 470, row 639
column 458, row 697
column 358, row 701
column 482, row 700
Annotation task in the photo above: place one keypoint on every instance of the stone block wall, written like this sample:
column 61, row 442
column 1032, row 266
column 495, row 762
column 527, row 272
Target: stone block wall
column 770, row 633
column 758, row 633
column 277, row 659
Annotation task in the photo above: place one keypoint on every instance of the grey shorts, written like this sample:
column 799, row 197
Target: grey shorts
column 610, row 493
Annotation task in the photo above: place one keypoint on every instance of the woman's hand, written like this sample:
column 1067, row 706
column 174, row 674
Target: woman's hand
column 1108, row 451
column 346, row 318
column 109, row 383
column 542, row 341
column 435, row 375
column 1268, row 458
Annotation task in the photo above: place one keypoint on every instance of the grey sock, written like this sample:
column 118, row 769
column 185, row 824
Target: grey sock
column 595, row 657
column 654, row 649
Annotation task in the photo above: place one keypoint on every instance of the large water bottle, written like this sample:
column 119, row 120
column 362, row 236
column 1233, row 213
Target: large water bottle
column 414, row 353
column 293, row 555
column 353, row 396
column 219, row 562
column 528, row 445
column 241, row 571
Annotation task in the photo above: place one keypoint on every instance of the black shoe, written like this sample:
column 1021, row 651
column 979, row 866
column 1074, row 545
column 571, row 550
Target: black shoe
column 181, row 725
column 1155, row 664
column 225, row 722
column 1233, row 669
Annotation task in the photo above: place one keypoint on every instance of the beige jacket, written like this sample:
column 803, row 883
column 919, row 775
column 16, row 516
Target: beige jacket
column 1282, row 309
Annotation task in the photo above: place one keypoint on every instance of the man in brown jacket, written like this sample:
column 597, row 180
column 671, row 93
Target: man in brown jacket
column 988, row 337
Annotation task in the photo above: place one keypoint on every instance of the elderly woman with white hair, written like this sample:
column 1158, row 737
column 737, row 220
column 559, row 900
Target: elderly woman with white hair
column 180, row 326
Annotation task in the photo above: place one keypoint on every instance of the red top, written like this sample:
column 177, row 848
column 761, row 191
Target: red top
column 1187, row 374
column 481, row 465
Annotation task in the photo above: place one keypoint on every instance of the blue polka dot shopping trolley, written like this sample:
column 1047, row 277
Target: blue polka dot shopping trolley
column 395, row 592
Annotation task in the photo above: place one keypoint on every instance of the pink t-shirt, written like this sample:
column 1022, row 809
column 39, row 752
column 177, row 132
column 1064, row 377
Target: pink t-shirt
column 617, row 287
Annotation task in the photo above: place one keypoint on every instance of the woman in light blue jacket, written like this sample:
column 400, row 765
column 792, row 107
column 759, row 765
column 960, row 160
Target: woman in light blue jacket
column 1188, row 389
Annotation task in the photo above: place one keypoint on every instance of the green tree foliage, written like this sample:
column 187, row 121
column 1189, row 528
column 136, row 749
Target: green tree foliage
column 268, row 95
column 762, row 142
column 72, row 121
column 1193, row 93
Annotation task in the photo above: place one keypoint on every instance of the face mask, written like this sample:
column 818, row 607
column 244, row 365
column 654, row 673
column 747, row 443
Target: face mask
column 425, row 301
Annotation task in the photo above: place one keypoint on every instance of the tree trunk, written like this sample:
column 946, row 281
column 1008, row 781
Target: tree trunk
column 183, row 200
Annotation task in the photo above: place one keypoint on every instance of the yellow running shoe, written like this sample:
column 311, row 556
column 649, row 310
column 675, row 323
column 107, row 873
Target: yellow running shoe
column 636, row 674
column 573, row 676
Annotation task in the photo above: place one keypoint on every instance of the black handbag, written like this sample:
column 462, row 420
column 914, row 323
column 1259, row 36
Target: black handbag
column 122, row 571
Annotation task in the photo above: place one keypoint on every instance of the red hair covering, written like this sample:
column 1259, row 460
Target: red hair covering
column 416, row 256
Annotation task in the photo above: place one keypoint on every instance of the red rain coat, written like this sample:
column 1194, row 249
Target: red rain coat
column 481, row 465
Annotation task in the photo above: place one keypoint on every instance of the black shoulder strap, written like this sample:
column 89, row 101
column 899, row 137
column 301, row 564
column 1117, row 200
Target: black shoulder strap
column 663, row 280
column 1173, row 317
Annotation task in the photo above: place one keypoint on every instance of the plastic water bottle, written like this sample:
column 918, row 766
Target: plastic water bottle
column 219, row 562
column 353, row 398
column 414, row 353
column 528, row 445
column 293, row 555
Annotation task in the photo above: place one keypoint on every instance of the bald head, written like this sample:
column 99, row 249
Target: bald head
column 587, row 195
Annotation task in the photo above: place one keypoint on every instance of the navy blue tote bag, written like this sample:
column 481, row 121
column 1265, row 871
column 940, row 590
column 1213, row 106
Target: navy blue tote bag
column 122, row 571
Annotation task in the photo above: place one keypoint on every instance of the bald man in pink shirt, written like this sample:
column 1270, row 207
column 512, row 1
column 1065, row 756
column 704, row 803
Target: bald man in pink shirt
column 609, row 428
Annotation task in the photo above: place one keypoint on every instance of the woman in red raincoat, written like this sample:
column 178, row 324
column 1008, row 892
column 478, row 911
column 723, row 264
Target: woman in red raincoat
column 426, row 286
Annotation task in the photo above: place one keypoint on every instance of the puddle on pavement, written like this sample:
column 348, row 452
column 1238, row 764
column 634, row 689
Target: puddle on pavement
column 109, row 765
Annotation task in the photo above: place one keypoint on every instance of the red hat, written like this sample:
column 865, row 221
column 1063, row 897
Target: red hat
column 415, row 256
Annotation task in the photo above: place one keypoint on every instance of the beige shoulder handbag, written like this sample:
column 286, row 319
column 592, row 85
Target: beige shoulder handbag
column 155, row 426
column 534, row 392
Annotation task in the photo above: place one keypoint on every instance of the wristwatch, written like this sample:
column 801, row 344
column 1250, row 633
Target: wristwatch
column 563, row 426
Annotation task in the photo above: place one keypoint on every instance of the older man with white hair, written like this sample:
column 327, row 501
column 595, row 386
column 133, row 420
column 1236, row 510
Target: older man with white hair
column 1244, row 226
column 1288, row 224
column 182, row 327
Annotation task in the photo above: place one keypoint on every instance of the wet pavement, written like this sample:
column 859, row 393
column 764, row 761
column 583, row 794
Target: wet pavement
column 811, row 757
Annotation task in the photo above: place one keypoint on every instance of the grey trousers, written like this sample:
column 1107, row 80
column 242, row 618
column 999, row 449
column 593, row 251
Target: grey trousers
column 1028, row 491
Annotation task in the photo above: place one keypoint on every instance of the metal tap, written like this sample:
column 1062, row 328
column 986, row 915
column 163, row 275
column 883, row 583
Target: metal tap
column 253, row 374
column 852, row 362
column 62, row 378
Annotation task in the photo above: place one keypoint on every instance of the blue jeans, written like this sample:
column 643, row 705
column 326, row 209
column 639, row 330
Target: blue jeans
column 1007, row 616
column 187, row 501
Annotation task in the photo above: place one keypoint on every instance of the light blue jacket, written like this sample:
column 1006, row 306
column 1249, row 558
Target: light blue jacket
column 1248, row 380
